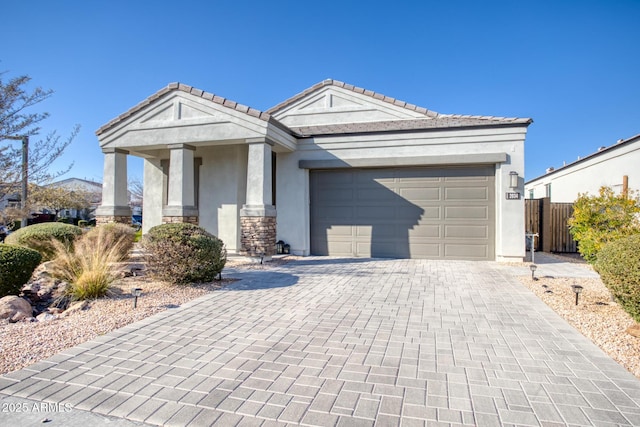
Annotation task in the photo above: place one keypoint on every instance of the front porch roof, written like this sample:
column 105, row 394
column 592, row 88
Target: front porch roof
column 179, row 113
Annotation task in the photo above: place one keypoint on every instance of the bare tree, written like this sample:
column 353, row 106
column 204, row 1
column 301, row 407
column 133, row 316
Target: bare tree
column 17, row 121
column 136, row 190
column 56, row 198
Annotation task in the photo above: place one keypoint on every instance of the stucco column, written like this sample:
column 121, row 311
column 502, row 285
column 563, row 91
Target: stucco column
column 258, row 215
column 115, row 196
column 181, row 192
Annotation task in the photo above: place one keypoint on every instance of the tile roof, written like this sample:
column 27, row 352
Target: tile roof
column 432, row 119
column 375, row 95
column 440, row 122
column 171, row 87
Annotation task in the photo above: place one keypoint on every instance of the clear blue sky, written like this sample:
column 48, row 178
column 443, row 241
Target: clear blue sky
column 572, row 66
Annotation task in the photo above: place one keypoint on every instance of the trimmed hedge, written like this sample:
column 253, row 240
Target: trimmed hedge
column 619, row 267
column 39, row 236
column 17, row 264
column 183, row 253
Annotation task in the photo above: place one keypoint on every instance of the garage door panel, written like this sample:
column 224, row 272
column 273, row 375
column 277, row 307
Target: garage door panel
column 375, row 213
column 466, row 193
column 338, row 178
column 338, row 231
column 420, row 194
column 376, row 196
column 340, row 248
column 425, row 250
column 404, row 213
column 325, row 213
column 472, row 174
column 335, row 195
column 466, row 231
column 466, row 212
column 466, row 251
column 426, row 231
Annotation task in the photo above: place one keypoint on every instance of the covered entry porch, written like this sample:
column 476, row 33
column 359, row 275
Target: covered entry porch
column 207, row 161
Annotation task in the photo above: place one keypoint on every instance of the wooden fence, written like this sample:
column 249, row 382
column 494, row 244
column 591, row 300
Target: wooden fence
column 549, row 221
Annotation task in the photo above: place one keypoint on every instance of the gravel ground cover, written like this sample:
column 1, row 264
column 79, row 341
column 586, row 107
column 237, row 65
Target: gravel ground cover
column 24, row 343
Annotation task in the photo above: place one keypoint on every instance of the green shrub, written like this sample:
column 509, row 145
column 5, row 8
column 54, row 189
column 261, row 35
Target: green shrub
column 39, row 237
column 119, row 231
column 91, row 266
column 83, row 223
column 183, row 253
column 16, row 266
column 604, row 218
column 619, row 267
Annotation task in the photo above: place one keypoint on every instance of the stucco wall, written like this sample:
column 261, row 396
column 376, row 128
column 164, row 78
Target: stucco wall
column 223, row 177
column 293, row 182
column 152, row 200
column 604, row 169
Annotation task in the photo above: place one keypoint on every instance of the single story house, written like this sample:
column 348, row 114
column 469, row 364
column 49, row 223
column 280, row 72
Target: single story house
column 335, row 170
column 94, row 189
column 615, row 166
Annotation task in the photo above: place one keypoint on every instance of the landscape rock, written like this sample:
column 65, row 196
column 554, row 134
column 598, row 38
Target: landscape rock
column 75, row 307
column 15, row 308
column 46, row 316
column 44, row 291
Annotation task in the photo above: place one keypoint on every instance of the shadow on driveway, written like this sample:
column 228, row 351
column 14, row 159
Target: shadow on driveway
column 261, row 279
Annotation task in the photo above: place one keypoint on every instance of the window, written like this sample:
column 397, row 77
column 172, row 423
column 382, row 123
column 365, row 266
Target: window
column 547, row 190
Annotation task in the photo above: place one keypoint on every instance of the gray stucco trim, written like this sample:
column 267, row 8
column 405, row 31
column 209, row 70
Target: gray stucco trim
column 452, row 159
column 110, row 150
column 179, row 211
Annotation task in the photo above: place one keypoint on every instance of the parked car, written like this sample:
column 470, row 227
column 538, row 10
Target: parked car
column 136, row 221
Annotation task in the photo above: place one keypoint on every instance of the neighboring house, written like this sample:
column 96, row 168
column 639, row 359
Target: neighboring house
column 9, row 200
column 615, row 166
column 92, row 187
column 335, row 170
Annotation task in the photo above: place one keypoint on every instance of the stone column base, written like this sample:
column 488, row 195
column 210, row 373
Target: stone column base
column 107, row 219
column 176, row 219
column 258, row 235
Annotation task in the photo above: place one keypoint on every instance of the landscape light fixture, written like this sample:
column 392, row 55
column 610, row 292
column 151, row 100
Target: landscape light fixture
column 577, row 289
column 136, row 292
column 513, row 179
column 533, row 268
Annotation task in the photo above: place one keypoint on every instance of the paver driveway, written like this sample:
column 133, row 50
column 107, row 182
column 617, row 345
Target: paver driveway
column 345, row 342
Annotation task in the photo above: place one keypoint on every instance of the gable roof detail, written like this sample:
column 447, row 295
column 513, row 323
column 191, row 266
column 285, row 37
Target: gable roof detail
column 417, row 118
column 171, row 87
column 356, row 89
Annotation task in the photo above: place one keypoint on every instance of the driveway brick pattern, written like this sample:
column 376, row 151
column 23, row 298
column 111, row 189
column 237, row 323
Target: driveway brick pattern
column 346, row 342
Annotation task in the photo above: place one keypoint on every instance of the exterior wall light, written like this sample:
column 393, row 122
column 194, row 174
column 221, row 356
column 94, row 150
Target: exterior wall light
column 577, row 289
column 533, row 268
column 279, row 247
column 136, row 292
column 513, row 179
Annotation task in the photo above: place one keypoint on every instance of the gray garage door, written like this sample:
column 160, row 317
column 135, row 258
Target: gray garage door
column 434, row 213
